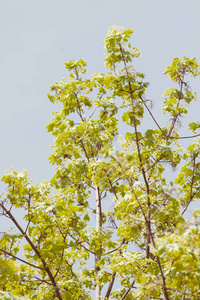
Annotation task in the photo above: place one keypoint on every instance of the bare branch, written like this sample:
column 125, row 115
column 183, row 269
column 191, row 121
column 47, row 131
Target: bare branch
column 184, row 137
column 110, row 287
column 22, row 260
column 42, row 280
column 80, row 243
column 152, row 115
column 176, row 290
column 126, row 293
column 121, row 244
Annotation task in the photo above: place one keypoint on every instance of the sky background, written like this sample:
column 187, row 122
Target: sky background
column 38, row 36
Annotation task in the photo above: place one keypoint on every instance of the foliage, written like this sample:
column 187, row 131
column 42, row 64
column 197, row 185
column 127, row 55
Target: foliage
column 142, row 246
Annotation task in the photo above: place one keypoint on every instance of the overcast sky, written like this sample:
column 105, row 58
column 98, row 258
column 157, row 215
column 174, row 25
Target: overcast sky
column 38, row 36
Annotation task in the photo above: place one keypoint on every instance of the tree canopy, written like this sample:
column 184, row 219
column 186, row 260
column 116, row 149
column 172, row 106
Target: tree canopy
column 109, row 224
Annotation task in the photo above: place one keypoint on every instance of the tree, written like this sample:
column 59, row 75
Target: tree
column 141, row 246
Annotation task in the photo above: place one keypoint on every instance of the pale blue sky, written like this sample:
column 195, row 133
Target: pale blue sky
column 38, row 36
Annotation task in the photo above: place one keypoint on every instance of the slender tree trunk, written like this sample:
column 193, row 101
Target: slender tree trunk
column 97, row 292
column 98, row 228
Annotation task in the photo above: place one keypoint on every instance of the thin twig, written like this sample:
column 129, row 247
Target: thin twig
column 152, row 115
column 80, row 243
